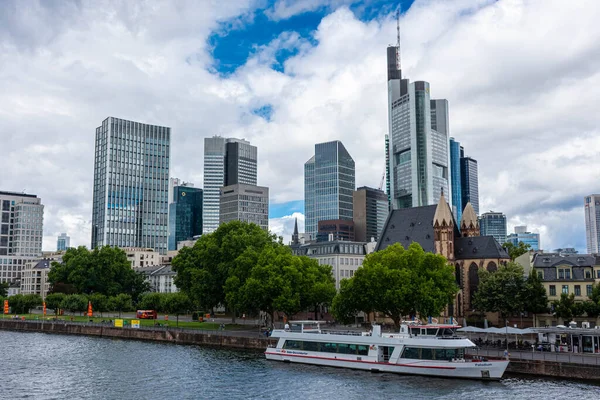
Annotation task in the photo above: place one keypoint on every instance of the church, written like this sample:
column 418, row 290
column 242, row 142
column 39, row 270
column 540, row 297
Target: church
column 436, row 230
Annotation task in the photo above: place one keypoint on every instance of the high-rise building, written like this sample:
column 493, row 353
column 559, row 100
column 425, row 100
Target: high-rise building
column 387, row 171
column 522, row 235
column 185, row 214
column 493, row 224
column 591, row 206
column 457, row 204
column 329, row 181
column 246, row 203
column 21, row 232
column 131, row 184
column 63, row 242
column 469, row 182
column 335, row 229
column 227, row 161
column 370, row 212
column 418, row 140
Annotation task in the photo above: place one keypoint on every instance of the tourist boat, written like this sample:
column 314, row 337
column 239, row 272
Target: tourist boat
column 419, row 349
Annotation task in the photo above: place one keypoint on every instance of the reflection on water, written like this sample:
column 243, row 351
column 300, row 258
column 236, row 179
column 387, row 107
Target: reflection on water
column 43, row 366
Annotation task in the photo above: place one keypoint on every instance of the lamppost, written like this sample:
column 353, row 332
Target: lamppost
column 506, row 326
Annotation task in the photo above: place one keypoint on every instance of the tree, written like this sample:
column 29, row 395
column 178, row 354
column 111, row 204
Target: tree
column 565, row 307
column 230, row 251
column 501, row 291
column 4, row 289
column 120, row 302
column 21, row 304
column 535, row 299
column 319, row 285
column 592, row 307
column 397, row 282
column 151, row 301
column 176, row 303
column 104, row 270
column 99, row 303
column 74, row 303
column 54, row 301
column 516, row 251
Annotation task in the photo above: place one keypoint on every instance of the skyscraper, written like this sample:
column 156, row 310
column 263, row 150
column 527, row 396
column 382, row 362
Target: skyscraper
column 493, row 224
column 21, row 232
column 522, row 235
column 185, row 214
column 591, row 206
column 329, row 182
column 455, row 178
column 246, row 203
column 370, row 212
column 418, row 140
column 227, row 161
column 131, row 184
column 63, row 242
column 469, row 181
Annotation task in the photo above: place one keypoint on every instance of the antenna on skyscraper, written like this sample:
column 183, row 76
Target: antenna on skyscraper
column 398, row 30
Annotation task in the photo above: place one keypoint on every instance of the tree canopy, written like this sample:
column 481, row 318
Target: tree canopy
column 501, row 291
column 397, row 282
column 104, row 270
column 516, row 251
column 4, row 289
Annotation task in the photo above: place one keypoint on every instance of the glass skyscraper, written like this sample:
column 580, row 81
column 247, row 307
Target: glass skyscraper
column 469, row 181
column 521, row 235
column 591, row 206
column 455, row 178
column 63, row 242
column 185, row 215
column 370, row 213
column 227, row 161
column 493, row 224
column 329, row 182
column 131, row 184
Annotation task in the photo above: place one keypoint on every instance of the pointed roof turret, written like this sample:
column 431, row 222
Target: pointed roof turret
column 443, row 214
column 469, row 218
column 295, row 238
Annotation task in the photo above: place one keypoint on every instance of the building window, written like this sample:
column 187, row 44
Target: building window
column 565, row 289
column 588, row 274
column 577, row 290
column 588, row 290
column 561, row 274
column 598, row 273
column 552, row 290
column 541, row 275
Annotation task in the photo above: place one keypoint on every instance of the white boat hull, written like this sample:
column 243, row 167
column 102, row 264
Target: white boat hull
column 486, row 370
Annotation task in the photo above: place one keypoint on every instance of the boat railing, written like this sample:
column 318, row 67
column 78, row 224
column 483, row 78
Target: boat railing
column 349, row 333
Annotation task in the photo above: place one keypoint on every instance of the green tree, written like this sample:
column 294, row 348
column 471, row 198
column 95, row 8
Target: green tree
column 31, row 301
column 99, row 302
column 74, row 303
column 104, row 270
column 16, row 303
column 4, row 289
column 230, row 251
column 516, row 251
column 121, row 302
column 501, row 291
column 319, row 285
column 565, row 307
column 151, row 301
column 397, row 282
column 176, row 303
column 592, row 306
column 54, row 301
column 535, row 299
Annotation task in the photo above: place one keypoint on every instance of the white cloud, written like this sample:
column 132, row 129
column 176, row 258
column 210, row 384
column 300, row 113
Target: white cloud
column 284, row 226
column 520, row 77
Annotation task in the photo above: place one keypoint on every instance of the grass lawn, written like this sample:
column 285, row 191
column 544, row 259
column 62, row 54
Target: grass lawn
column 172, row 322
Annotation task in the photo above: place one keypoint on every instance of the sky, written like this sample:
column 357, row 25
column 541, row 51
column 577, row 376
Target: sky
column 521, row 78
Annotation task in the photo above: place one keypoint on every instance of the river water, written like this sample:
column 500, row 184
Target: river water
column 44, row 366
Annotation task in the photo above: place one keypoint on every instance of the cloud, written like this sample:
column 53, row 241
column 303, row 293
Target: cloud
column 284, row 9
column 284, row 226
column 520, row 78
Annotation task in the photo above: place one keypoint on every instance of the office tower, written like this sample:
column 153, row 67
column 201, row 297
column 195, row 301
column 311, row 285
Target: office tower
column 63, row 242
column 455, row 179
column 131, row 184
column 370, row 210
column 335, row 229
column 227, row 161
column 21, row 232
column 328, row 185
column 418, row 140
column 469, row 182
column 246, row 203
column 592, row 223
column 493, row 224
column 521, row 235
column 387, row 170
column 185, row 214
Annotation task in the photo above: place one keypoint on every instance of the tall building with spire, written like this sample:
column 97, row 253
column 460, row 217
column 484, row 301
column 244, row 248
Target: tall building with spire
column 418, row 150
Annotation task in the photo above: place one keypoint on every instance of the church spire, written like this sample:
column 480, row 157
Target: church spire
column 469, row 223
column 443, row 214
column 295, row 239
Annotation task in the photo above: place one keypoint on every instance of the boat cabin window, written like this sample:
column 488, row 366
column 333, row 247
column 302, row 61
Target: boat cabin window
column 432, row 331
column 296, row 327
column 339, row 348
column 421, row 353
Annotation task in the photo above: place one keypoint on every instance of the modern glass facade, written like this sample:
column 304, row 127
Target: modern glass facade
column 591, row 206
column 63, row 242
column 469, row 182
column 131, row 183
column 493, row 224
column 455, row 178
column 185, row 215
column 532, row 239
column 329, row 182
column 370, row 213
column 227, row 161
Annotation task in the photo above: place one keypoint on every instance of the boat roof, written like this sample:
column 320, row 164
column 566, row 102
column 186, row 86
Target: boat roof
column 306, row 322
column 434, row 326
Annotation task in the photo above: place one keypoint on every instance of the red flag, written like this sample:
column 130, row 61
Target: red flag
column 89, row 309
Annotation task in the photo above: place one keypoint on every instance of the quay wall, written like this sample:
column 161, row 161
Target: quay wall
column 230, row 339
column 555, row 369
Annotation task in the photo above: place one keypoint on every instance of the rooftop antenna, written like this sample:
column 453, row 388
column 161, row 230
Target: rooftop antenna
column 398, row 30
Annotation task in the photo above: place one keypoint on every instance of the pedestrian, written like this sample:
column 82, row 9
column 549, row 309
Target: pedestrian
column 506, row 354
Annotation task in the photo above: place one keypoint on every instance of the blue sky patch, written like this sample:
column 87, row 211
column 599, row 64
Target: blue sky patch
column 265, row 112
column 283, row 209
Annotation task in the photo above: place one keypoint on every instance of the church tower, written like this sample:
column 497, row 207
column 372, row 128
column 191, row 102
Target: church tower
column 295, row 238
column 469, row 224
column 443, row 229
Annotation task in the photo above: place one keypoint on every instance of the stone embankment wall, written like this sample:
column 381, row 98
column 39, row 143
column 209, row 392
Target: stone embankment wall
column 554, row 369
column 231, row 339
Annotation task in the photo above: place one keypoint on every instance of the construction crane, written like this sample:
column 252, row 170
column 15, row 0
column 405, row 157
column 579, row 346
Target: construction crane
column 382, row 180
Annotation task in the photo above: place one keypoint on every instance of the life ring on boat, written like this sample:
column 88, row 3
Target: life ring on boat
column 434, row 320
